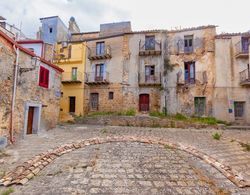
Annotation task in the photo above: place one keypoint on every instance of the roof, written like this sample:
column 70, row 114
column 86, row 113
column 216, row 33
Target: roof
column 2, row 18
column 229, row 35
column 27, row 51
column 49, row 17
column 30, row 41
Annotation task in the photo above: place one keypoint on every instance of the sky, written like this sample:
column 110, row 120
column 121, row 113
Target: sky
column 229, row 15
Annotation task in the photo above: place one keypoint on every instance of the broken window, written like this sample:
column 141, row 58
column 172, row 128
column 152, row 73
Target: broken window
column 149, row 73
column 150, row 42
column 100, row 48
column 239, row 109
column 189, row 72
column 188, row 44
column 200, row 106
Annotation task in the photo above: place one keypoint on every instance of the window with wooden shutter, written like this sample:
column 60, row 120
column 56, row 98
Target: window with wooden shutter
column 44, row 77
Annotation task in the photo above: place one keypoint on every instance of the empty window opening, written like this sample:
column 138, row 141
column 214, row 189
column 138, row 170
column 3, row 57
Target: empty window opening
column 189, row 72
column 111, row 95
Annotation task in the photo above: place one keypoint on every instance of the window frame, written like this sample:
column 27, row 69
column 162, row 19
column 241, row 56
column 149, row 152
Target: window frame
column 189, row 79
column 111, row 95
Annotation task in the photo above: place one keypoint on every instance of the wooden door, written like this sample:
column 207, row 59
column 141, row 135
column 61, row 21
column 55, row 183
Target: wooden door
column 72, row 104
column 30, row 120
column 200, row 106
column 144, row 102
column 94, row 101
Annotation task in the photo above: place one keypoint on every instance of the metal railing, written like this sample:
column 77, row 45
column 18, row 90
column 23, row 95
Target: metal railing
column 241, row 48
column 91, row 77
column 143, row 78
column 93, row 52
column 70, row 77
column 150, row 45
column 245, row 75
column 199, row 77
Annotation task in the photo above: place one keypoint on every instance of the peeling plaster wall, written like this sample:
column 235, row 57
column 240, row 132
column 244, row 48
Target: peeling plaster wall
column 180, row 98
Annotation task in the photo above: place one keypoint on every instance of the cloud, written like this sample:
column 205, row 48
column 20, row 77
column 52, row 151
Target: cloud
column 230, row 15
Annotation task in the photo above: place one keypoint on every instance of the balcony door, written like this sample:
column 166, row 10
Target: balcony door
column 74, row 74
column 149, row 73
column 189, row 72
column 100, row 48
column 245, row 44
column 99, row 72
column 149, row 42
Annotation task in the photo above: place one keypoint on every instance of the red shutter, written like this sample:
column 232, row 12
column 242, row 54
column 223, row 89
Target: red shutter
column 44, row 77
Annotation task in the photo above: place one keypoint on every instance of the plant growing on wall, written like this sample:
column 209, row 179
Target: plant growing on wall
column 168, row 67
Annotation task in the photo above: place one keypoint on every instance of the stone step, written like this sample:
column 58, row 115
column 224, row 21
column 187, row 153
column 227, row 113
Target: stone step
column 238, row 127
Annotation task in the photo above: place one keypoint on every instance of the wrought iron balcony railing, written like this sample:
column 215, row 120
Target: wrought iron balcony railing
column 149, row 48
column 241, row 49
column 96, row 78
column 145, row 79
column 245, row 77
column 70, row 77
column 95, row 54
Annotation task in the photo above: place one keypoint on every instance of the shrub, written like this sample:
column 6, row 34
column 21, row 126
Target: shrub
column 130, row 112
column 8, row 191
column 216, row 136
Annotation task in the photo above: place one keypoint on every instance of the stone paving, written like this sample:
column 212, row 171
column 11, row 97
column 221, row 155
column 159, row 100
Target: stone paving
column 227, row 150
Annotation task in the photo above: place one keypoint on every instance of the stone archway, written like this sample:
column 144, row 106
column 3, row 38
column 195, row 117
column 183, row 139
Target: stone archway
column 23, row 173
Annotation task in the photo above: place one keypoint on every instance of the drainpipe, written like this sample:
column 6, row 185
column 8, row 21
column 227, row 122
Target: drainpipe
column 14, row 94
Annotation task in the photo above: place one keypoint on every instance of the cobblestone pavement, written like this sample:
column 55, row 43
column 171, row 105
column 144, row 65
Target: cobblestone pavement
column 227, row 151
column 128, row 168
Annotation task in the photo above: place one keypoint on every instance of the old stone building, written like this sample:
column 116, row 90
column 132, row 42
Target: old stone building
column 123, row 70
column 30, row 91
column 232, row 85
column 189, row 69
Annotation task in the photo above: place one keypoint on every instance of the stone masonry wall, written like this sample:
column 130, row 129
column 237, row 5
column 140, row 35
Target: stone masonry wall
column 7, row 57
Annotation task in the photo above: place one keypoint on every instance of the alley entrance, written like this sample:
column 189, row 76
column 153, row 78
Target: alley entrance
column 144, row 103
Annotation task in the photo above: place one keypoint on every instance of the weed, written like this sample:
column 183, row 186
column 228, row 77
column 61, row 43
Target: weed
column 180, row 117
column 245, row 146
column 104, row 131
column 130, row 112
column 168, row 147
column 157, row 114
column 216, row 136
column 172, row 124
column 8, row 191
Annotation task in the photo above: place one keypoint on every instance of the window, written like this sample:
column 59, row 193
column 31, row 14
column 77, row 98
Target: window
column 200, row 106
column 100, row 47
column 50, row 29
column 111, row 95
column 74, row 74
column 99, row 72
column 239, row 109
column 69, row 51
column 44, row 77
column 245, row 44
column 188, row 44
column 149, row 42
column 149, row 73
column 189, row 72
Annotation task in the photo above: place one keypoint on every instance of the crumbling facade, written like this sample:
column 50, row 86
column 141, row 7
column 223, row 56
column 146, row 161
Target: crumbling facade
column 30, row 91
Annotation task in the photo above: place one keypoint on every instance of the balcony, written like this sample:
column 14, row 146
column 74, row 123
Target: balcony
column 68, row 77
column 149, row 80
column 92, row 78
column 200, row 77
column 149, row 48
column 241, row 50
column 94, row 54
column 245, row 77
column 188, row 50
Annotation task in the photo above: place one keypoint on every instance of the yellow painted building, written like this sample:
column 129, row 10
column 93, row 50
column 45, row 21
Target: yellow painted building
column 70, row 57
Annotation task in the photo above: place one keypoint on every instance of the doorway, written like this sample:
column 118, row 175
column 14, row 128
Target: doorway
column 30, row 120
column 144, row 102
column 239, row 109
column 72, row 104
column 200, row 106
column 94, row 101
